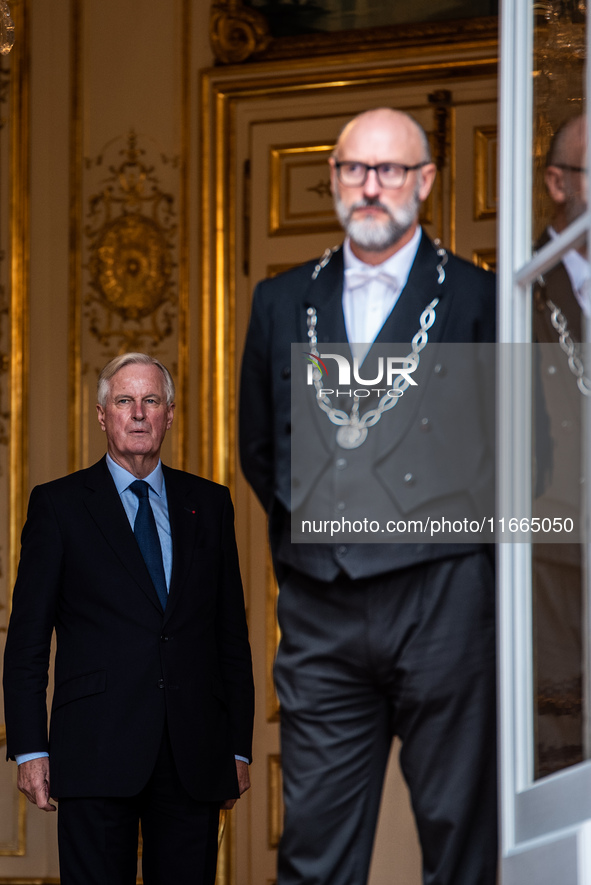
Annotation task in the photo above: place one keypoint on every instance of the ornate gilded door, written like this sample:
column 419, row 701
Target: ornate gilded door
column 268, row 207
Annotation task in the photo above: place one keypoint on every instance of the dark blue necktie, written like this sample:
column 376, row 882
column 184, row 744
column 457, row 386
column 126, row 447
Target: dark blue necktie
column 146, row 535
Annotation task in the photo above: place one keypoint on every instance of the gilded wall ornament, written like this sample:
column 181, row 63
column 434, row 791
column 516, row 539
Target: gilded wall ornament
column 237, row 32
column 131, row 240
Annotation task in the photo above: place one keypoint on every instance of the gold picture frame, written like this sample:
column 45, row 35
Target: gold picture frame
column 485, row 258
column 485, row 173
column 240, row 33
column 297, row 172
column 223, row 93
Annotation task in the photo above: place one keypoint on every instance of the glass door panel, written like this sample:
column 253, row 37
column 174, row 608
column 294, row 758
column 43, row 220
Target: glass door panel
column 560, row 312
column 545, row 443
column 557, row 556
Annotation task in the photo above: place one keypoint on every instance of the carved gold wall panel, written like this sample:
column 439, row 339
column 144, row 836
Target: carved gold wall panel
column 129, row 260
column 131, row 234
column 130, row 255
column 301, row 200
column 485, row 172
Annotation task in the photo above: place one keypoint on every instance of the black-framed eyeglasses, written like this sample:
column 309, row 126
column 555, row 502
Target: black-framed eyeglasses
column 568, row 168
column 352, row 173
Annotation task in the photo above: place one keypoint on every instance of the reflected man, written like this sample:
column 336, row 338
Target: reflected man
column 562, row 307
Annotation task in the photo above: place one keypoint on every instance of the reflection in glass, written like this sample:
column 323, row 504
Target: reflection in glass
column 559, row 71
column 557, row 569
column 561, row 314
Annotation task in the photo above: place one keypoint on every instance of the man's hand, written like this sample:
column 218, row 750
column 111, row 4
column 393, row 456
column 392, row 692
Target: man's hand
column 33, row 781
column 243, row 783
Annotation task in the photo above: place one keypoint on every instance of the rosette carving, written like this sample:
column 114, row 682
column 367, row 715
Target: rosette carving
column 237, row 32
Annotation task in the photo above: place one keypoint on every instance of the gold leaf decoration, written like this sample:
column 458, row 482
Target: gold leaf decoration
column 131, row 239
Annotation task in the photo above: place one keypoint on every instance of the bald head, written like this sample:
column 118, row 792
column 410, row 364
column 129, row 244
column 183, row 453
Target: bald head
column 565, row 172
column 382, row 125
column 568, row 143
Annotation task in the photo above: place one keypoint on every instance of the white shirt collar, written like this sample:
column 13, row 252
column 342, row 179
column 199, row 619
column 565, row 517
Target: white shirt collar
column 366, row 308
column 579, row 273
column 123, row 478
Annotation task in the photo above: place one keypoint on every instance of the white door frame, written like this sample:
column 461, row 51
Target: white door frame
column 545, row 824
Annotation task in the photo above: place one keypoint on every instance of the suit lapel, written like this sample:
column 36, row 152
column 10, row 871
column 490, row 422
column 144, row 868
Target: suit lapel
column 326, row 291
column 182, row 514
column 421, row 288
column 325, row 295
column 106, row 509
column 401, row 326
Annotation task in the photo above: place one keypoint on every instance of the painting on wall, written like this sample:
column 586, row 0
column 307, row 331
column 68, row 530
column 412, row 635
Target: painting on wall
column 297, row 17
column 249, row 30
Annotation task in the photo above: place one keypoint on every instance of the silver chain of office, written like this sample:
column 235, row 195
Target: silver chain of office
column 569, row 347
column 353, row 427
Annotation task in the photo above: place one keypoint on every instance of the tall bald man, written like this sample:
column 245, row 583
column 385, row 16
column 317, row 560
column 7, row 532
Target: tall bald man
column 377, row 640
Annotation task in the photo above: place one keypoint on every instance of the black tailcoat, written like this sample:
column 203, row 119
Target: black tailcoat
column 465, row 314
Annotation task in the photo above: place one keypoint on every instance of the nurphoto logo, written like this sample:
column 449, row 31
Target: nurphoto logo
column 392, row 371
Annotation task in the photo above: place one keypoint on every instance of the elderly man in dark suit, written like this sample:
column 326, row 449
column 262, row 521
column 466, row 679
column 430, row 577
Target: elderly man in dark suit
column 377, row 640
column 152, row 711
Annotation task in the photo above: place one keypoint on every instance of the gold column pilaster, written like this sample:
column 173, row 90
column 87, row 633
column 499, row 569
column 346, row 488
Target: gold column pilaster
column 19, row 279
column 75, row 244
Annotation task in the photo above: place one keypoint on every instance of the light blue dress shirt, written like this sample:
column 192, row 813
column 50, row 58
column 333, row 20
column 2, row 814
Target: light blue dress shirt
column 157, row 494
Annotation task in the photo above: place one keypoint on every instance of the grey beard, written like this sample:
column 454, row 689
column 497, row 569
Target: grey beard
column 374, row 235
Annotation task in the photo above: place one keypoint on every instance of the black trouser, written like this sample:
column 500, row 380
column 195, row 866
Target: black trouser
column 98, row 837
column 409, row 653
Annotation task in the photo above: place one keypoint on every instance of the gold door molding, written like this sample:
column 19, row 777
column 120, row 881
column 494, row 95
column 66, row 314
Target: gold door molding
column 16, row 241
column 223, row 92
column 235, row 103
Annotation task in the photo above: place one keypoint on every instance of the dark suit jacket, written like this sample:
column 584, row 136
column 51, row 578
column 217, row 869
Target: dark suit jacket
column 124, row 668
column 465, row 313
column 558, row 417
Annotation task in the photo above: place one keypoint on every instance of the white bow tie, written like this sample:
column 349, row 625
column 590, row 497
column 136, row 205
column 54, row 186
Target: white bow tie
column 360, row 276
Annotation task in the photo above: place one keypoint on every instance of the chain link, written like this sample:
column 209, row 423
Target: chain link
column 353, row 427
column 569, row 347
column 387, row 402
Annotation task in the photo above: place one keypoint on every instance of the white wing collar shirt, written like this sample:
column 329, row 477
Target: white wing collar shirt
column 370, row 292
column 579, row 272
